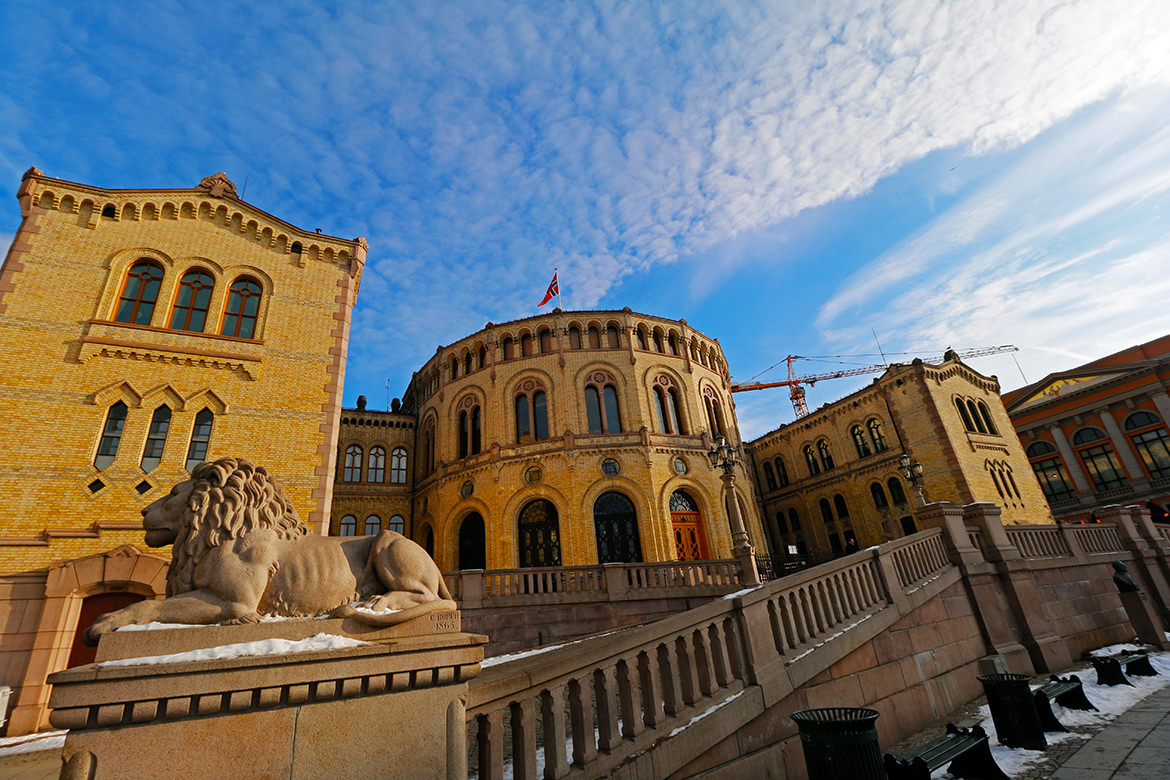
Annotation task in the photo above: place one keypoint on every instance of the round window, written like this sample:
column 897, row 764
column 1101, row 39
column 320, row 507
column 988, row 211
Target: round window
column 610, row 467
column 680, row 466
column 466, row 489
column 533, row 474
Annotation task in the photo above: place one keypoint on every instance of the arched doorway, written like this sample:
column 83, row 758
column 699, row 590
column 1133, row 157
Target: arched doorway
column 472, row 547
column 540, row 534
column 93, row 607
column 615, row 522
column 690, row 543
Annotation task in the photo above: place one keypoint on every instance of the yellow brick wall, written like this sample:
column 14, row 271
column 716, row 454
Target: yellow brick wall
column 275, row 396
column 362, row 498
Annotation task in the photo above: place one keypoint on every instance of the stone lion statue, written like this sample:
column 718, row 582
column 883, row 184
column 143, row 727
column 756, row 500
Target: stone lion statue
column 241, row 552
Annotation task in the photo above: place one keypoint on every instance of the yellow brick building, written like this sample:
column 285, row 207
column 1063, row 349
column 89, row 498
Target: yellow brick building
column 568, row 438
column 829, row 482
column 144, row 331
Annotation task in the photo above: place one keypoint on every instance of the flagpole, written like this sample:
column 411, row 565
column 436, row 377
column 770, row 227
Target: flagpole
column 560, row 303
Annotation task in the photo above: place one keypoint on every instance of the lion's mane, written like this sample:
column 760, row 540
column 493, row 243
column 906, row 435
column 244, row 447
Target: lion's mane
column 230, row 498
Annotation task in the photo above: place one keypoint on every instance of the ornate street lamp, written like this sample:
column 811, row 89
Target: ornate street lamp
column 912, row 472
column 725, row 457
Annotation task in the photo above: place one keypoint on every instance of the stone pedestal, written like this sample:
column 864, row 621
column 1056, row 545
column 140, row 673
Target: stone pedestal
column 393, row 707
column 1144, row 619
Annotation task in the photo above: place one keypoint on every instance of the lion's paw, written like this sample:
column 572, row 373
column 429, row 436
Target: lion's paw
column 251, row 617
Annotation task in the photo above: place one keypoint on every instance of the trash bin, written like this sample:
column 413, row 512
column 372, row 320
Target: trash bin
column 840, row 742
column 1013, row 710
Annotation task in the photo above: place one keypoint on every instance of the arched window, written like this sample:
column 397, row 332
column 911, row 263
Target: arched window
column 139, row 293
column 156, row 438
column 470, row 428
column 353, row 464
column 192, row 301
column 875, row 435
column 594, row 337
column 658, row 340
column 526, row 344
column 482, row 355
column 373, row 525
column 296, row 248
column 531, row 414
column 825, row 455
column 714, row 412
column 859, row 441
column 1150, row 440
column 376, row 465
column 1087, row 435
column 781, row 473
column 200, row 438
column 427, row 462
column 467, row 369
column 769, row 476
column 509, row 348
column 601, row 404
column 1099, row 459
column 398, row 466
column 640, row 337
column 428, row 540
column 985, row 415
column 1038, row 448
column 611, row 334
column 810, row 459
column 472, row 546
column 545, row 341
column 574, row 337
column 666, row 404
column 964, row 415
column 672, row 343
column 615, row 523
column 973, row 413
column 840, row 506
column 897, row 494
column 879, row 496
column 398, row 525
column 348, row 526
column 242, row 307
column 111, row 436
column 539, row 531
column 1050, row 472
column 453, row 368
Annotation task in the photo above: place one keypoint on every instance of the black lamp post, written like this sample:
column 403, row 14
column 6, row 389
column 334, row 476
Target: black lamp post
column 725, row 458
column 912, row 471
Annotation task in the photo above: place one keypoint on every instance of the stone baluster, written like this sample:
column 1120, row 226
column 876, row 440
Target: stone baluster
column 605, row 685
column 703, row 663
column 490, row 743
column 687, row 670
column 650, row 683
column 552, row 721
column 734, row 648
column 671, row 678
column 523, row 715
column 581, row 721
column 718, row 655
column 630, row 697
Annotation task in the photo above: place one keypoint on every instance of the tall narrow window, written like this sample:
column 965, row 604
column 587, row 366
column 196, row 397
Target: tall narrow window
column 594, row 337
column 398, row 466
column 470, row 424
column 825, row 455
column 859, row 441
column 879, row 496
column 964, row 414
column 640, row 337
column 509, row 348
column 156, row 438
column 985, row 414
column 875, row 435
column 897, row 494
column 242, row 308
column 523, row 421
column 611, row 334
column 200, row 437
column 658, row 340
column 601, row 404
column 714, row 414
column 593, row 409
column 464, row 433
column 476, row 427
column 545, row 341
column 192, row 300
column 672, row 409
column 139, row 293
column 427, row 463
column 1150, row 440
column 973, row 412
column 376, row 465
column 467, row 358
column 810, row 460
column 454, row 367
column 613, row 420
column 526, row 344
column 660, row 408
column 353, row 464
column 769, row 476
column 781, row 473
column 574, row 337
column 111, row 436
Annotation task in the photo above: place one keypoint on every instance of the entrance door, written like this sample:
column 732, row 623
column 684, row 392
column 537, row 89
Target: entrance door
column 472, row 552
column 92, row 608
column 540, row 534
column 615, row 522
column 687, row 524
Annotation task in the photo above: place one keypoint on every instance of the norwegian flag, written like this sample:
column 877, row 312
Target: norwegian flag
column 553, row 289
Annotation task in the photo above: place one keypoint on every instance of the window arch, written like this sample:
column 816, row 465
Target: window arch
column 200, row 438
column 192, row 300
column 453, row 368
column 594, row 334
column 714, row 412
column 353, row 464
column 243, row 306
column 781, row 473
column 376, row 465
column 545, row 337
column 840, row 505
column 531, row 407
column 615, row 524
column 985, row 415
column 509, row 347
column 601, row 404
column 640, row 336
column 1050, row 471
column 348, row 526
column 427, row 462
column 667, row 405
column 111, row 436
column 859, row 441
column 964, row 415
column 1087, row 435
column 879, row 496
column 574, row 337
column 373, row 525
column 897, row 494
column 612, row 337
column 769, row 476
column 470, row 427
column 467, row 364
column 810, row 460
column 1140, row 419
column 1038, row 448
column 526, row 344
column 397, row 524
column 824, row 454
column 481, row 354
column 657, row 336
column 139, row 293
column 156, row 438
column 875, row 435
column 973, row 413
column 539, row 531
column 398, row 466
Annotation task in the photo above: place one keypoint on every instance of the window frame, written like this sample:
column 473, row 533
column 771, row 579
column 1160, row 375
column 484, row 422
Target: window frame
column 376, row 465
column 192, row 307
column 241, row 316
column 354, row 459
column 139, row 300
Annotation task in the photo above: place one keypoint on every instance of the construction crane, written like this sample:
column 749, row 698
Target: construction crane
column 796, row 384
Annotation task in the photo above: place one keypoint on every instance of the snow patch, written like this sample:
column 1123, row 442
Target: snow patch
column 739, row 593
column 509, row 657
column 243, row 649
column 826, row 640
column 705, row 713
column 30, row 743
column 154, row 626
column 368, row 611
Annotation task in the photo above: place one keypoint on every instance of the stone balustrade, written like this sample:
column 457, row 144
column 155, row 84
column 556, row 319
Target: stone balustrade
column 1038, row 541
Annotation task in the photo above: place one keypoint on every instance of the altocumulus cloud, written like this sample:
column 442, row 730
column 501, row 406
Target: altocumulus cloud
column 478, row 144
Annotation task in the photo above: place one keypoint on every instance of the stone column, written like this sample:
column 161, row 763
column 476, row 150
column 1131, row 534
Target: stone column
column 741, row 546
column 1162, row 402
column 1070, row 460
column 1124, row 450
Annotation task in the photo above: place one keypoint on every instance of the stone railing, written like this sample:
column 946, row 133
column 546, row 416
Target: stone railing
column 1163, row 531
column 1098, row 538
column 1038, row 541
column 476, row 588
column 591, row 704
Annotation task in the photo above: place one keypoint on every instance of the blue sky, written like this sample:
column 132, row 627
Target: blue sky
column 790, row 179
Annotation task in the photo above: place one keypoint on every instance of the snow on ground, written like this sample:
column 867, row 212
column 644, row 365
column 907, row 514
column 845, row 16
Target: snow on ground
column 368, row 611
column 705, row 713
column 739, row 593
column 153, row 626
column 241, row 649
column 1110, row 701
column 48, row 740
